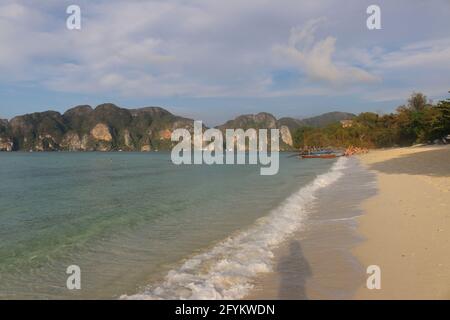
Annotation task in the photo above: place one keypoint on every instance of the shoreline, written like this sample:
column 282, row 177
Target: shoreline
column 406, row 226
column 317, row 261
column 398, row 219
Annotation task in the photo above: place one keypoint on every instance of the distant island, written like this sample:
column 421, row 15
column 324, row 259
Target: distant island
column 111, row 128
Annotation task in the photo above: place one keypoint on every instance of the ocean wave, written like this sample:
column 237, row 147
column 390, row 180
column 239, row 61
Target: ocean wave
column 226, row 271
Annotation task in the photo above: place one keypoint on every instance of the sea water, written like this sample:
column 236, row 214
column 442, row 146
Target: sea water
column 139, row 226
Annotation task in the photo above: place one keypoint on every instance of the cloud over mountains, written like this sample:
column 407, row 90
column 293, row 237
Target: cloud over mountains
column 255, row 48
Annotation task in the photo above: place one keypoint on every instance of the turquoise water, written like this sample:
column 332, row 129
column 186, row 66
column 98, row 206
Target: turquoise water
column 128, row 219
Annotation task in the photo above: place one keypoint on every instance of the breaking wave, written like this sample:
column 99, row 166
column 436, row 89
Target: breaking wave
column 226, row 271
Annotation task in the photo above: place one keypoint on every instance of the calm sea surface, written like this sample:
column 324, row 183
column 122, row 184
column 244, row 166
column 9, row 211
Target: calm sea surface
column 139, row 226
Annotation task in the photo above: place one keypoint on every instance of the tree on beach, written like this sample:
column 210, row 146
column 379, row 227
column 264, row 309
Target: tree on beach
column 442, row 124
column 418, row 101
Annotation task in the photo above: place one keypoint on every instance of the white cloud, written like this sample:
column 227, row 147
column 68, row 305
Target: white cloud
column 315, row 57
column 206, row 48
column 428, row 54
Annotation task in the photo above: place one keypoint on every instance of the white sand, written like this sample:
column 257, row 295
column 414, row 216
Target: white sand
column 407, row 225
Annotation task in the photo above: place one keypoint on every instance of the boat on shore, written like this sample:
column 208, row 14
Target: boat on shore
column 317, row 153
column 319, row 156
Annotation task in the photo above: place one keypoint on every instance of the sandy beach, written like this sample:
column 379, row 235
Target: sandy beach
column 398, row 219
column 406, row 226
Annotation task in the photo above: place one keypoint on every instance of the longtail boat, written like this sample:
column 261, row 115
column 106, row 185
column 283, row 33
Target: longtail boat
column 319, row 156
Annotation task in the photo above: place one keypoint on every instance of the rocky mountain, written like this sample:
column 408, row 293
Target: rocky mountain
column 6, row 143
column 111, row 128
column 82, row 128
column 318, row 121
column 286, row 125
column 327, row 118
column 262, row 120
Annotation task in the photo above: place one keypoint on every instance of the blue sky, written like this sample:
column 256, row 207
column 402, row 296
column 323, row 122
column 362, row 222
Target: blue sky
column 212, row 60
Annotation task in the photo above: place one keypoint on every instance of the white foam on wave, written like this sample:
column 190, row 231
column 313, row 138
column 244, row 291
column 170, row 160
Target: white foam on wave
column 227, row 270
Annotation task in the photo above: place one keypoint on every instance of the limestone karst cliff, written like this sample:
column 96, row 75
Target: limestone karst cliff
column 108, row 127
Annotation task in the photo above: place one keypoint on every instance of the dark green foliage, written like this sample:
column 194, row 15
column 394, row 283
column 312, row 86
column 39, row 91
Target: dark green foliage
column 79, row 119
column 28, row 130
column 4, row 127
column 417, row 122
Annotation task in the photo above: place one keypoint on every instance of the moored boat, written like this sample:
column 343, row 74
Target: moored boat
column 319, row 156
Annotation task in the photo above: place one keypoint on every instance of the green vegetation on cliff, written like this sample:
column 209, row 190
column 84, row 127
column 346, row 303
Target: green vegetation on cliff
column 82, row 128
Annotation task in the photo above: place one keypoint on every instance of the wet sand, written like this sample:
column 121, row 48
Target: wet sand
column 317, row 262
column 407, row 224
